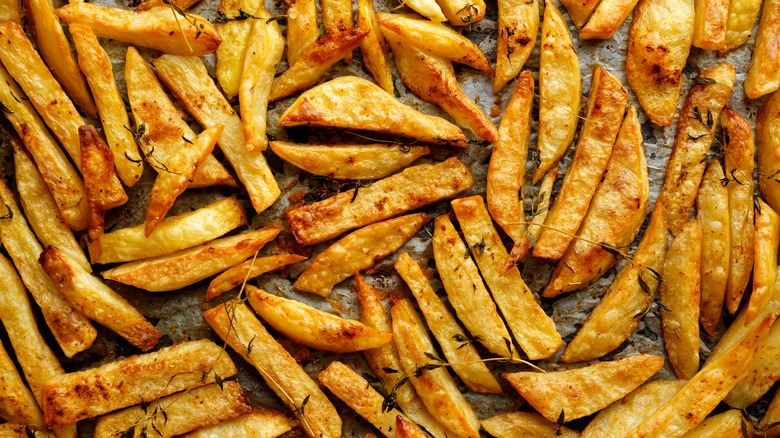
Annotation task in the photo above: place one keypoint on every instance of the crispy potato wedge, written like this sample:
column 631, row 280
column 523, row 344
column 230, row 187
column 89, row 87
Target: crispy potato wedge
column 432, row 79
column 724, row 425
column 766, row 237
column 97, row 67
column 429, row 9
column 302, row 28
column 10, row 11
column 525, row 424
column 580, row 11
column 180, row 169
column 189, row 266
column 240, row 328
column 680, row 292
column 768, row 150
column 462, row 12
column 618, row 313
column 19, row 430
column 762, row 374
column 376, row 58
column 358, row 251
column 695, row 127
column 259, row 423
column 603, row 112
column 17, row 403
column 366, row 161
column 354, row 103
column 709, row 27
column 606, row 19
column 250, row 269
column 658, row 46
column 406, row 429
column 740, row 22
column 415, row 187
column 614, row 216
column 97, row 301
column 184, row 412
column 739, row 147
column 434, row 385
column 108, row 387
column 452, row 339
column 188, row 79
column 314, row 328
column 518, row 24
column 575, row 393
column 539, row 207
column 160, row 28
column 764, row 74
column 533, row 329
column 231, row 52
column 336, row 15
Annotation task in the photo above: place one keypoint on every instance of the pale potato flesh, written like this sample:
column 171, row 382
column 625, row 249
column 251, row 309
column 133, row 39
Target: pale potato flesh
column 302, row 27
column 709, row 28
column 462, row 12
column 17, row 403
column 252, row 268
column 525, row 424
column 763, row 373
column 764, row 74
column 373, row 47
column 766, row 237
column 606, row 19
column 518, row 24
column 259, row 423
column 739, row 26
column 768, row 150
column 539, row 207
column 231, row 52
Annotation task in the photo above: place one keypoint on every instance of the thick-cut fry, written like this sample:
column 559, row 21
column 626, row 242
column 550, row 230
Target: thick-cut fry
column 97, row 67
column 433, row 383
column 603, row 112
column 257, row 424
column 248, row 270
column 658, row 46
column 96, row 391
column 97, row 301
column 739, row 26
column 415, row 187
column 188, row 79
column 618, row 313
column 539, row 206
column 525, row 424
column 376, row 59
column 463, row 356
column 354, row 103
column 231, row 52
column 695, row 127
column 725, row 425
column 183, row 412
column 533, row 329
column 302, row 28
column 575, row 393
column 518, row 24
column 10, row 11
column 238, row 326
column 709, row 27
column 180, row 169
column 463, row 12
column 358, row 251
column 739, row 147
column 580, row 10
column 606, row 19
column 614, row 217
column 764, row 74
column 680, row 292
column 161, row 27
column 766, row 239
column 768, row 149
column 762, row 374
column 17, row 403
column 189, row 266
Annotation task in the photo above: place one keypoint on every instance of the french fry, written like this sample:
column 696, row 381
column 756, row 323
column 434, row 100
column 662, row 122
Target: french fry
column 695, row 127
column 603, row 112
column 237, row 325
column 762, row 375
column 180, row 169
column 739, row 25
column 658, row 46
column 70, row 328
column 415, row 187
column 250, row 269
column 358, row 251
column 10, row 11
column 406, row 429
column 533, row 329
column 429, row 9
column 183, row 412
column 738, row 141
column 434, row 385
column 766, row 235
column 614, row 216
column 462, row 12
column 161, row 28
column 526, row 424
column 108, row 387
column 463, row 356
column 715, row 243
column 768, row 149
column 97, row 301
column 302, row 28
column 727, row 424
column 97, row 67
column 353, row 103
column 257, row 424
column 629, row 296
column 560, row 91
column 231, row 52
column 188, row 79
column 17, row 403
column 709, row 28
column 539, row 208
column 336, row 15
column 163, row 129
column 580, row 11
column 373, row 47
column 572, row 394
column 764, row 74
column 189, row 266
column 606, row 19
column 518, row 24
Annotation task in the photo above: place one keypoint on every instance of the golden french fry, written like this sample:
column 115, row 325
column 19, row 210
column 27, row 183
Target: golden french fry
column 251, row 268
column 580, row 11
column 17, row 403
column 180, row 169
column 237, row 325
column 231, row 52
column 257, row 424
column 768, row 149
column 739, row 25
column 463, row 356
column 518, row 24
column 429, row 9
column 161, row 28
column 74, row 396
column 353, row 103
column 763, row 373
column 658, row 46
column 407, row 429
column 462, row 12
column 302, row 28
column 695, row 127
column 575, row 393
column 738, row 141
column 539, row 207
column 525, row 424
column 10, row 11
column 606, row 19
column 373, row 47
column 188, row 79
column 188, row 266
column 614, row 217
column 724, row 425
column 97, row 67
column 560, row 91
column 764, row 74
column 358, row 251
column 415, row 187
column 766, row 237
column 709, row 27
column 603, row 112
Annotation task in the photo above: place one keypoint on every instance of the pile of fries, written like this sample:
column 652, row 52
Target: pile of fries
column 462, row 341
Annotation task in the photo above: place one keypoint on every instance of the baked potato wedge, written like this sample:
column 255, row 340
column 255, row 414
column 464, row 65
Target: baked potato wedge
column 462, row 12
column 540, row 205
column 518, row 24
column 302, row 28
column 376, row 58
column 580, row 11
column 768, row 150
column 429, row 9
column 762, row 374
column 17, row 403
column 606, row 19
column 336, row 15
column 726, row 424
column 525, row 424
column 253, row 267
column 764, row 74
column 231, row 53
column 771, row 416
column 181, row 4
column 766, row 239
column 709, row 27
column 10, row 11
column 259, row 423
column 739, row 25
